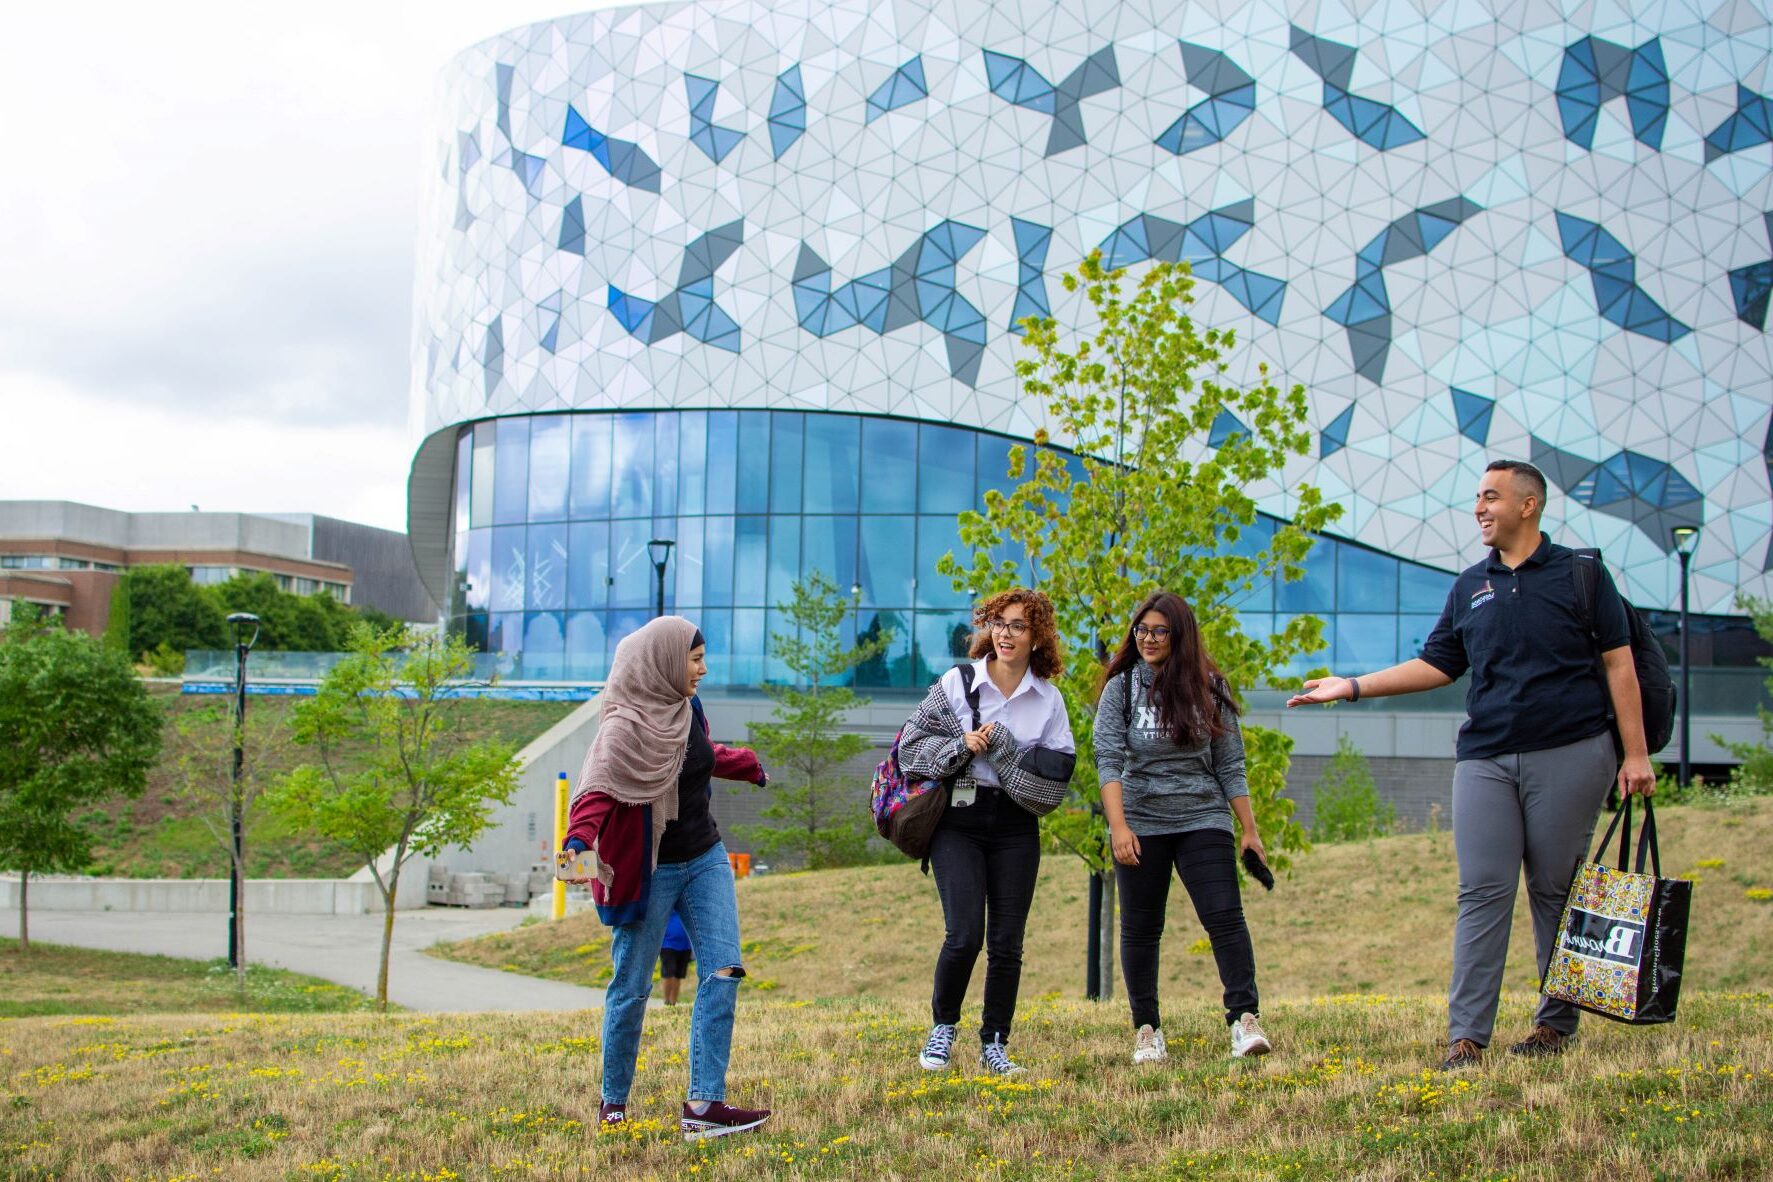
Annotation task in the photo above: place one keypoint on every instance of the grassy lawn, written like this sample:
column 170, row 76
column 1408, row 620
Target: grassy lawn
column 161, row 834
column 360, row 1097
column 1361, row 917
column 57, row 980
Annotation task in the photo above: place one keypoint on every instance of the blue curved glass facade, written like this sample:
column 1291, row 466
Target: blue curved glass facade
column 553, row 513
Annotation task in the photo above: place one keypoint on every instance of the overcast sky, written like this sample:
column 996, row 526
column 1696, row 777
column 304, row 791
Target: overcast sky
column 206, row 241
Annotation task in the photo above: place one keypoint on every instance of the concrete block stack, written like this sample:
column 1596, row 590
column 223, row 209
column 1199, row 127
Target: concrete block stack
column 437, row 885
column 473, row 889
column 541, row 879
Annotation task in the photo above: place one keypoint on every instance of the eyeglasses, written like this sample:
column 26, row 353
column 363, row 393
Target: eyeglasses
column 1013, row 627
column 1144, row 633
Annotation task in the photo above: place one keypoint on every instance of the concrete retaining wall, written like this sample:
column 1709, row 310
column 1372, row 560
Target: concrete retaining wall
column 287, row 896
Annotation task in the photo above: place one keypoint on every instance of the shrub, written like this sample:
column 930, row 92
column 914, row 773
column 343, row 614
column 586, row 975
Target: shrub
column 1347, row 805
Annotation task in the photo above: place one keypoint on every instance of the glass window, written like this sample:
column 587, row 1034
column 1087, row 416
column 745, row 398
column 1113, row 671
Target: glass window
column 505, row 632
column 754, row 446
column 888, row 545
column 587, row 584
column 775, row 669
column 544, row 646
column 585, row 657
column 1316, row 591
column 1422, row 588
column 458, row 588
column 833, row 463
column 717, row 562
column 1412, row 633
column 723, row 461
column 786, row 432
column 784, row 559
column 464, row 486
column 477, row 593
column 1304, row 664
column 509, row 563
column 747, row 647
column 994, row 465
column 751, row 561
column 1365, row 642
column 511, row 471
column 666, row 448
column 480, row 510
column 664, row 529
column 686, row 564
column 547, row 568
column 945, row 469
column 937, row 536
column 631, row 485
column 1365, row 581
column 889, row 478
column 474, row 632
column 592, row 443
column 692, row 463
column 892, row 668
column 630, row 566
column 550, row 455
column 717, row 630
column 942, row 639
column 828, row 545
column 623, row 624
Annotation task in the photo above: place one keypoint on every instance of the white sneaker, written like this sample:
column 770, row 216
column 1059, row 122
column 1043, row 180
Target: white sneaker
column 996, row 1061
column 1148, row 1046
column 936, row 1050
column 1247, row 1038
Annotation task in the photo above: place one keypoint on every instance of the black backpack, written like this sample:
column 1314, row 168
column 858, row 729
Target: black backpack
column 1655, row 686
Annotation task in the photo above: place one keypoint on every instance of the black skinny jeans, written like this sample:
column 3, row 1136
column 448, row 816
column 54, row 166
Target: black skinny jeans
column 985, row 859
column 1205, row 861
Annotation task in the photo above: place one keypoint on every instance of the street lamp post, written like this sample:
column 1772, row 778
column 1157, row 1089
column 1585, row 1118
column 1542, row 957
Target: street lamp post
column 243, row 643
column 659, row 550
column 1686, row 539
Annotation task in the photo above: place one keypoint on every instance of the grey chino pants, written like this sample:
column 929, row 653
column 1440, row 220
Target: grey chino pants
column 1535, row 809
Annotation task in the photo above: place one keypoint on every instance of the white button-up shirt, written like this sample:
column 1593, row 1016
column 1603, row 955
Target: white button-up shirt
column 1034, row 713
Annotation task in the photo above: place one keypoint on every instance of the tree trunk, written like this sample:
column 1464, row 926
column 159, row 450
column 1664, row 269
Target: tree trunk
column 24, row 926
column 387, row 937
column 1104, row 920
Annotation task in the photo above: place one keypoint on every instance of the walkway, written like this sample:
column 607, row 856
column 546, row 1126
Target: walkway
column 339, row 948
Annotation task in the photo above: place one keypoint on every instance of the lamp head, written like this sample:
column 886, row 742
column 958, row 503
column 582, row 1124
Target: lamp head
column 659, row 550
column 1686, row 538
column 240, row 622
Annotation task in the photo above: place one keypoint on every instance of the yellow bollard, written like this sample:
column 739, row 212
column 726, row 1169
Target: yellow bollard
column 560, row 791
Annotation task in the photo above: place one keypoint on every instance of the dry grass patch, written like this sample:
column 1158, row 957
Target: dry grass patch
column 354, row 1098
column 1356, row 917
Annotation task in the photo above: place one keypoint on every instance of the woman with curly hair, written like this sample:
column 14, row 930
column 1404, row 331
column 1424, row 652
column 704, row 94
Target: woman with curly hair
column 996, row 729
column 1170, row 758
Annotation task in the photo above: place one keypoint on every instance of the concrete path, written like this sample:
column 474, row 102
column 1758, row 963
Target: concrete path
column 339, row 948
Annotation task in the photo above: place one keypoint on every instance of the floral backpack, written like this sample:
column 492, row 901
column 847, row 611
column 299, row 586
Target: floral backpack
column 907, row 811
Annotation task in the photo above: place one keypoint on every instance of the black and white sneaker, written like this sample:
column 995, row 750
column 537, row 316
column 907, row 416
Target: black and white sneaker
column 937, row 1048
column 996, row 1060
column 719, row 1119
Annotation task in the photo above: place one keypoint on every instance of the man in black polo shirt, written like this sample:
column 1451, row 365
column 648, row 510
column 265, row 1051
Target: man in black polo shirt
column 1536, row 754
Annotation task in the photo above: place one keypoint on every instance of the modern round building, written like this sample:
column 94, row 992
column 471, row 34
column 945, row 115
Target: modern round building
column 746, row 276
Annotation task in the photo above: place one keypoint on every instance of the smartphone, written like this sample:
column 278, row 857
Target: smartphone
column 1258, row 870
column 575, row 866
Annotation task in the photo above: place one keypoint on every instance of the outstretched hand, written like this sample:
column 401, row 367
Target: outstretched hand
column 1321, row 691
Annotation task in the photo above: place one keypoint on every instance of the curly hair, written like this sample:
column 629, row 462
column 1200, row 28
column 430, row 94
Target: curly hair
column 1047, row 659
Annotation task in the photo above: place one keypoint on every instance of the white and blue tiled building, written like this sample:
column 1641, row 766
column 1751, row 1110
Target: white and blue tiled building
column 746, row 276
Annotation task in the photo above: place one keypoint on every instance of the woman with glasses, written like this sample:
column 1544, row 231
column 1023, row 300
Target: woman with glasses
column 1170, row 759
column 999, row 721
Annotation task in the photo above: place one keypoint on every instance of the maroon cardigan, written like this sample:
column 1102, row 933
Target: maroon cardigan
column 622, row 834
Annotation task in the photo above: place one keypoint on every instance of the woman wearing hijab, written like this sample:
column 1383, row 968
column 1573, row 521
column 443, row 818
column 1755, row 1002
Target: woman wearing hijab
column 641, row 807
column 1170, row 760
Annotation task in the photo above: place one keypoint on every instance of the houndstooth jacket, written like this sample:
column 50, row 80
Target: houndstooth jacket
column 931, row 748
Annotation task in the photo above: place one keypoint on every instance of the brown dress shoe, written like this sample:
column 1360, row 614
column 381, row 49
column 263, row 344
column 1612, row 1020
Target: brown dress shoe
column 1463, row 1053
column 1543, row 1041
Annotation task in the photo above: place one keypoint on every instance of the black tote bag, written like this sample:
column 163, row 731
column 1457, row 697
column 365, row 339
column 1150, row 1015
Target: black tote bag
column 1623, row 935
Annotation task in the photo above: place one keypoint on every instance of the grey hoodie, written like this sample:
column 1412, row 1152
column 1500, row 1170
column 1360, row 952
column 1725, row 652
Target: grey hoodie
column 1165, row 787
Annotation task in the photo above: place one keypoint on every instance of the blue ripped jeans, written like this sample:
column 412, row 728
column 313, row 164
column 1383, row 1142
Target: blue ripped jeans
column 702, row 892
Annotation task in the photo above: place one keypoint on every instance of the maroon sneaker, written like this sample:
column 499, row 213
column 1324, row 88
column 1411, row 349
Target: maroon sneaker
column 719, row 1119
column 609, row 1115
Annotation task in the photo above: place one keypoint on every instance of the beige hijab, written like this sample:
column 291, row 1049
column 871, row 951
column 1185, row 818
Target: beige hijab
column 643, row 725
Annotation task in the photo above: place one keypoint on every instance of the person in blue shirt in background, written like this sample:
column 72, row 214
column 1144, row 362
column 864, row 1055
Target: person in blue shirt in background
column 674, row 958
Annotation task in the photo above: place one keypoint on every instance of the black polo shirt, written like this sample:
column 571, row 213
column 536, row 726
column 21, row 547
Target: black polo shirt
column 1533, row 675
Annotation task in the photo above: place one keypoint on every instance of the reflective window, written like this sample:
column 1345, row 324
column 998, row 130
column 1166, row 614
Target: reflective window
column 1316, row 591
column 509, row 562
column 666, row 452
column 785, row 453
column 1365, row 642
column 723, row 462
column 544, row 646
column 1423, row 589
column 828, row 545
column 888, row 544
column 631, row 483
column 550, row 457
column 1412, row 634
column 745, row 650
column 937, row 536
column 944, row 469
column 592, row 435
column 511, row 471
column 584, row 645
column 588, row 565
column 891, row 668
column 480, row 499
column 548, row 570
column 477, row 591
column 750, row 561
column 464, row 484
column 751, row 462
column 685, row 574
column 1365, row 581
column 784, row 559
column 833, row 463
column 692, row 463
column 630, row 567
column 717, row 562
column 994, row 465
column 889, row 475
column 941, row 642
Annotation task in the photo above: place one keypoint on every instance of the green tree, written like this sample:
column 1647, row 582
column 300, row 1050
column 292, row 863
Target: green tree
column 1346, row 805
column 163, row 606
column 1154, row 507
column 76, row 727
column 1754, row 771
column 414, row 784
column 811, row 805
column 315, row 623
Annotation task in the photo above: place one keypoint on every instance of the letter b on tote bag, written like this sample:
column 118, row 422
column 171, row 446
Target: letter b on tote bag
column 1624, row 933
